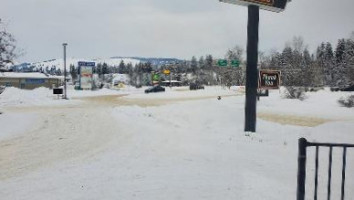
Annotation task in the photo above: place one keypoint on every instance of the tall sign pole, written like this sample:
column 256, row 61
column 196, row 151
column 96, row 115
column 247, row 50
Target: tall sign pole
column 252, row 52
column 64, row 45
column 251, row 70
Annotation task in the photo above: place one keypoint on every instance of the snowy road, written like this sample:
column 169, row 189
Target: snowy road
column 68, row 132
column 178, row 145
column 60, row 133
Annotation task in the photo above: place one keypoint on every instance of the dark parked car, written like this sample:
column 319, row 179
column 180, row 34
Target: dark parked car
column 195, row 86
column 156, row 88
column 349, row 88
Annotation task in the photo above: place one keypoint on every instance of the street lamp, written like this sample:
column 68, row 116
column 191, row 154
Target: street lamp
column 64, row 45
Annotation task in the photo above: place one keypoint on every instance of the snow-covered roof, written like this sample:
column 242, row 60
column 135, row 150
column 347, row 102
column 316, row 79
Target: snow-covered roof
column 172, row 81
column 26, row 75
column 120, row 77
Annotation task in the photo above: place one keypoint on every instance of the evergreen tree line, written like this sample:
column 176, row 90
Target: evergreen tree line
column 328, row 66
column 203, row 71
column 138, row 74
column 206, row 71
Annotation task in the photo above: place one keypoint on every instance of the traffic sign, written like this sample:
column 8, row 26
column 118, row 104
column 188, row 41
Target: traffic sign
column 86, row 74
column 156, row 77
column 166, row 71
column 57, row 90
column 269, row 79
column 89, row 64
column 222, row 63
column 235, row 63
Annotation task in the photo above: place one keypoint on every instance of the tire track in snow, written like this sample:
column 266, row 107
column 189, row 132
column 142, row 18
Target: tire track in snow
column 66, row 132
column 61, row 134
column 296, row 120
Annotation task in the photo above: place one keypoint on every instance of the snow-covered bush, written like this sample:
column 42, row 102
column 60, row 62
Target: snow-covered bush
column 2, row 89
column 347, row 101
column 313, row 89
column 294, row 93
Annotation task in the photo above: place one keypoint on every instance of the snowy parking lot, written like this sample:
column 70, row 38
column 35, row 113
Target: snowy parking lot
column 180, row 144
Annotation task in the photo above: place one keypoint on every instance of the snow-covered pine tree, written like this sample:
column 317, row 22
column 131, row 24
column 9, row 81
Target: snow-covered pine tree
column 287, row 57
column 209, row 74
column 349, row 62
column 121, row 67
column 105, row 68
column 209, row 61
column 201, row 63
column 341, row 78
column 194, row 65
column 73, row 72
column 7, row 47
column 340, row 49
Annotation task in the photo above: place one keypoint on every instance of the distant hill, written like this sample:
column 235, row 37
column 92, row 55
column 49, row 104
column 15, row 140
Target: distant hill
column 58, row 64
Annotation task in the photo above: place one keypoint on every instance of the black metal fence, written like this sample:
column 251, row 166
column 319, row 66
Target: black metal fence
column 301, row 174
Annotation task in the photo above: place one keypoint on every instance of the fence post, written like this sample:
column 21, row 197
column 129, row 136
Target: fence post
column 301, row 173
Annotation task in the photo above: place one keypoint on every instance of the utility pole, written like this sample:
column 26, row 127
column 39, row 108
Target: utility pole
column 170, row 78
column 65, row 93
column 251, row 71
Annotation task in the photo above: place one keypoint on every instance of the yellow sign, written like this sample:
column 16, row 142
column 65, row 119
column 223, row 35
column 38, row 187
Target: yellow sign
column 166, row 71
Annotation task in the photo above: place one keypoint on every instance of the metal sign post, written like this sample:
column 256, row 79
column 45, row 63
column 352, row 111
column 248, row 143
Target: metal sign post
column 64, row 45
column 252, row 52
column 251, row 71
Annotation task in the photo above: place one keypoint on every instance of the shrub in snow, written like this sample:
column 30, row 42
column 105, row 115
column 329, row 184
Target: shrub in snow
column 347, row 101
column 2, row 89
column 291, row 92
column 313, row 89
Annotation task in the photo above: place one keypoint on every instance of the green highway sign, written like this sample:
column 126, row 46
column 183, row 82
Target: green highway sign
column 235, row 63
column 156, row 77
column 222, row 63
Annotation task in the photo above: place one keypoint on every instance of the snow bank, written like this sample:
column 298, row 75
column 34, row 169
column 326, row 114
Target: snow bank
column 17, row 97
column 189, row 150
column 323, row 103
column 44, row 96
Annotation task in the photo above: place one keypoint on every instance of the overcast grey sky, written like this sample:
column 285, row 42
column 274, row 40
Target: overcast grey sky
column 164, row 28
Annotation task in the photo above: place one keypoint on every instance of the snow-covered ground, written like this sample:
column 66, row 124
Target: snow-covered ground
column 181, row 144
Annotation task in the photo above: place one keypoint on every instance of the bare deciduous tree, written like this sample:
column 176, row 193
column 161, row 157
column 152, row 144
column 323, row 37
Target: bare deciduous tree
column 235, row 54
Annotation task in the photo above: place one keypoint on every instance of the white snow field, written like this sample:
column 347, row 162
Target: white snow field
column 181, row 144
